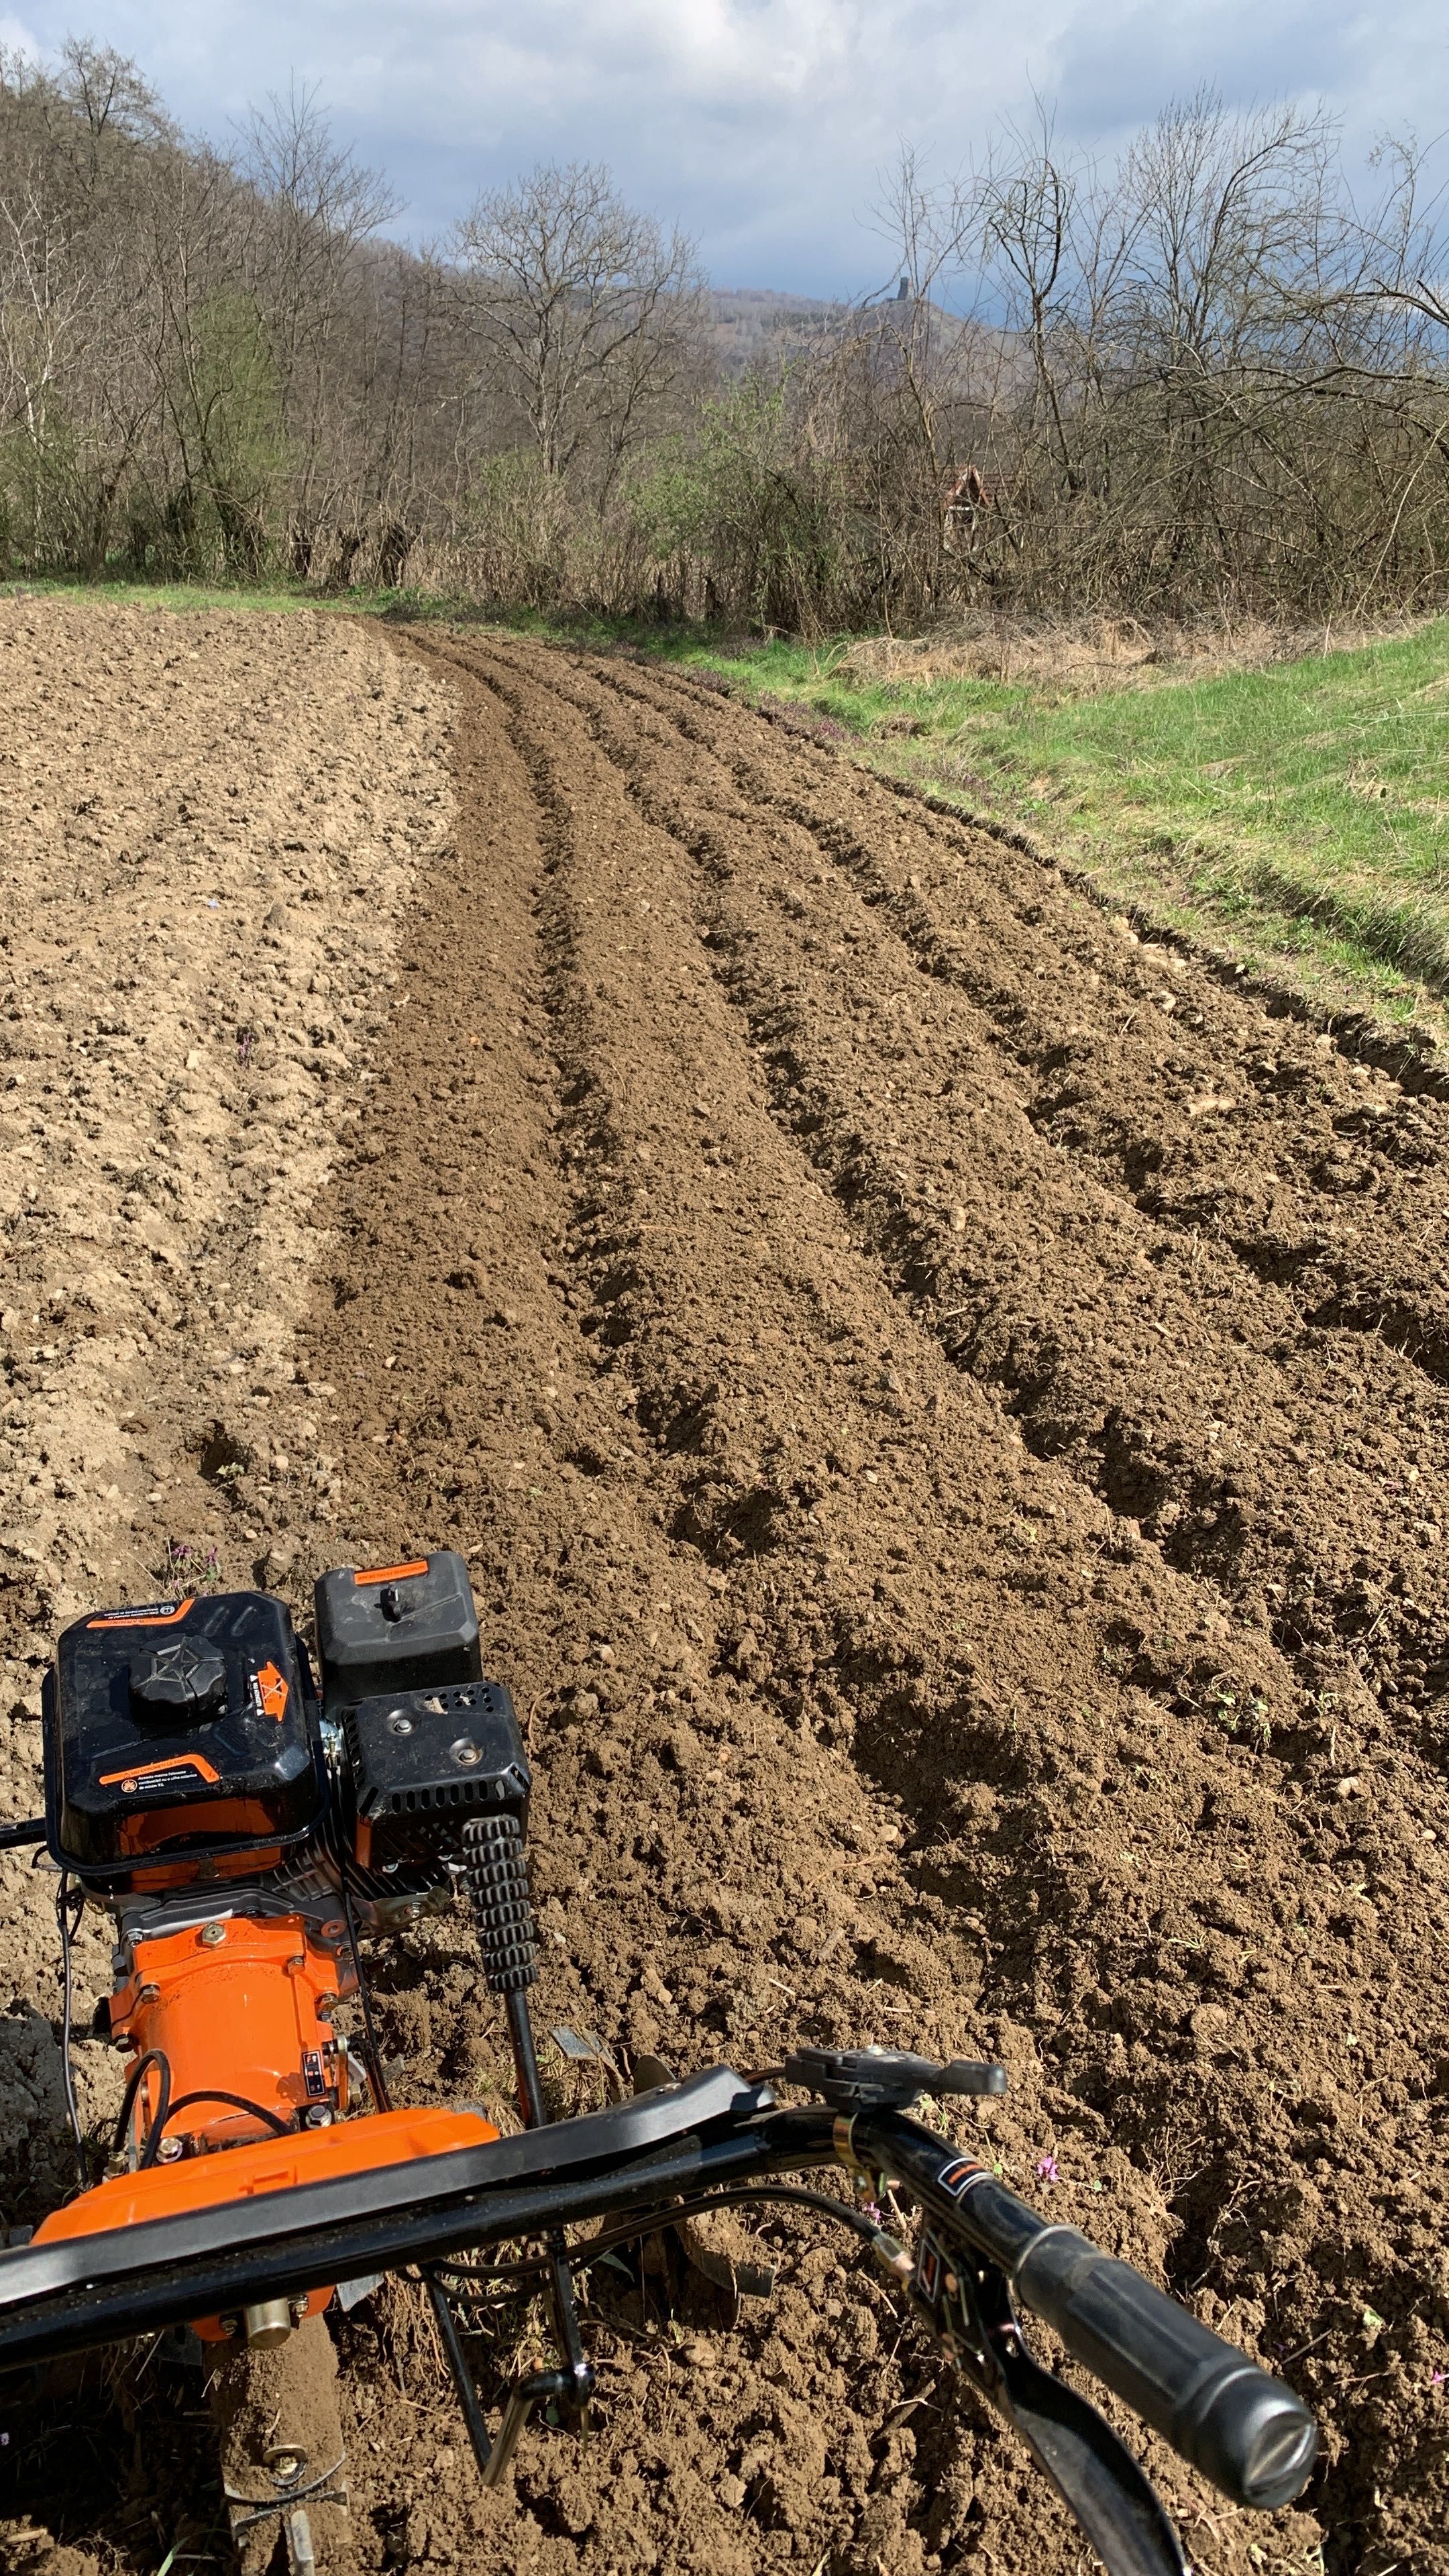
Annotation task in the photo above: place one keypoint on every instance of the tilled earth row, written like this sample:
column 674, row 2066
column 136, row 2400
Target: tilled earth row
column 945, row 1403
column 949, row 1445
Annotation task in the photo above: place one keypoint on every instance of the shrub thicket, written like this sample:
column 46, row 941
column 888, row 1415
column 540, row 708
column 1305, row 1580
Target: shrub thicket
column 1203, row 381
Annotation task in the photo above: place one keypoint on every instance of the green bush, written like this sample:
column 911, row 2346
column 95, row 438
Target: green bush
column 745, row 501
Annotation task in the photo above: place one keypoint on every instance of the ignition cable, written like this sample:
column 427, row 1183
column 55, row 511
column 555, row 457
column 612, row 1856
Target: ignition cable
column 153, row 2057
column 238, row 2102
column 651, row 2221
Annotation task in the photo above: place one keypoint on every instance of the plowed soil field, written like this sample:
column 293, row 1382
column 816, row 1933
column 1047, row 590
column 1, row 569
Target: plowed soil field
column 943, row 1395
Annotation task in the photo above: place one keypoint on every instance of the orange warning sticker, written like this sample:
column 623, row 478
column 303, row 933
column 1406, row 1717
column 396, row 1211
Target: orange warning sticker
column 393, row 1573
column 130, row 1780
column 165, row 1615
column 271, row 1690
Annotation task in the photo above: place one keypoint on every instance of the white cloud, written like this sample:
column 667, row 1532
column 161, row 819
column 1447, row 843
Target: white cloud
column 15, row 39
column 760, row 123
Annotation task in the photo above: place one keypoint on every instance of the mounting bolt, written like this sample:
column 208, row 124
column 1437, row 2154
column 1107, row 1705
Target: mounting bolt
column 212, row 1935
column 398, row 1724
column 168, row 2151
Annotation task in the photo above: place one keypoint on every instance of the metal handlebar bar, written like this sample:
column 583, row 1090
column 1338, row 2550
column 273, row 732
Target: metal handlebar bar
column 1241, row 2427
column 982, row 2256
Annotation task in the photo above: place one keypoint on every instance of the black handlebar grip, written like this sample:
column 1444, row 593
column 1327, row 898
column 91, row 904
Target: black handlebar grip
column 1244, row 2429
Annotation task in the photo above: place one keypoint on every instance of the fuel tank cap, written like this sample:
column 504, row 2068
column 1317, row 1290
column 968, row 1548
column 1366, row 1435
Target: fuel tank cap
column 178, row 1684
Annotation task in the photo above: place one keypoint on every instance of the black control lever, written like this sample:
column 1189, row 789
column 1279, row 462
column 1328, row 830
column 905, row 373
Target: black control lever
column 970, row 2307
column 887, row 2079
column 1241, row 2427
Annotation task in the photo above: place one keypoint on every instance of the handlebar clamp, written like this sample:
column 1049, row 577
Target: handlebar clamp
column 886, row 2079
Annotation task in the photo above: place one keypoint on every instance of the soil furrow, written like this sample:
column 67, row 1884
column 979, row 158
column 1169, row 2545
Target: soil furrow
column 708, row 1876
column 1160, row 1125
column 1093, row 1372
column 1131, row 1882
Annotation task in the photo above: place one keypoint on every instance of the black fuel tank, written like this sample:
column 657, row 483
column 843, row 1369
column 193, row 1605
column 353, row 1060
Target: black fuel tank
column 396, row 1628
column 177, row 1733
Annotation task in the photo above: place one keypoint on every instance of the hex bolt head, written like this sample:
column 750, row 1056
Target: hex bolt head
column 465, row 1752
column 212, row 1935
column 168, row 2151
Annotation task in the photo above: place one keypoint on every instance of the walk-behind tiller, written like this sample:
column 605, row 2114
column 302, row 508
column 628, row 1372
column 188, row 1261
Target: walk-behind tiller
column 244, row 1828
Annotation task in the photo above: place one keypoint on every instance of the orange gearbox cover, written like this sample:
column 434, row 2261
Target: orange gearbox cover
column 274, row 2164
column 244, row 2004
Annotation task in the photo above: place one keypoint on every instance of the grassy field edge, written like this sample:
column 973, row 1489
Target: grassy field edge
column 1292, row 818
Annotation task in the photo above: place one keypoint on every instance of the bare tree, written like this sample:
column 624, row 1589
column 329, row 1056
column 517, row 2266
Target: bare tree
column 585, row 312
column 74, row 327
column 321, row 206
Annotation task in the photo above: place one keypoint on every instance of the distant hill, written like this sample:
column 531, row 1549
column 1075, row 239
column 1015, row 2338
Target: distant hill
column 754, row 324
column 758, row 326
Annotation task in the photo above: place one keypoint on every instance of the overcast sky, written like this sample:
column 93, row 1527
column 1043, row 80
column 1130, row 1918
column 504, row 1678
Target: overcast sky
column 759, row 123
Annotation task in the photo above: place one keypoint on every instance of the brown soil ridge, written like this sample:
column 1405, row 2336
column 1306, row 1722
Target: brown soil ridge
column 812, row 1409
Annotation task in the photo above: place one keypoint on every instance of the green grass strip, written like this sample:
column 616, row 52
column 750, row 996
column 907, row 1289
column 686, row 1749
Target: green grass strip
column 1297, row 814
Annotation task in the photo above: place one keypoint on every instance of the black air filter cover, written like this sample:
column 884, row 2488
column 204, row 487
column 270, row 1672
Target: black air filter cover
column 177, row 1732
column 396, row 1628
column 422, row 1762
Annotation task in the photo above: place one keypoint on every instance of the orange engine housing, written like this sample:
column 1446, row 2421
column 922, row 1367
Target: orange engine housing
column 240, row 2005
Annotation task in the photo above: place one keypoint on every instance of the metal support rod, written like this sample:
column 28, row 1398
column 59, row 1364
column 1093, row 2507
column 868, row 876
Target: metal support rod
column 525, row 2060
column 578, row 2377
column 544, row 2384
column 462, row 2377
column 579, row 2369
